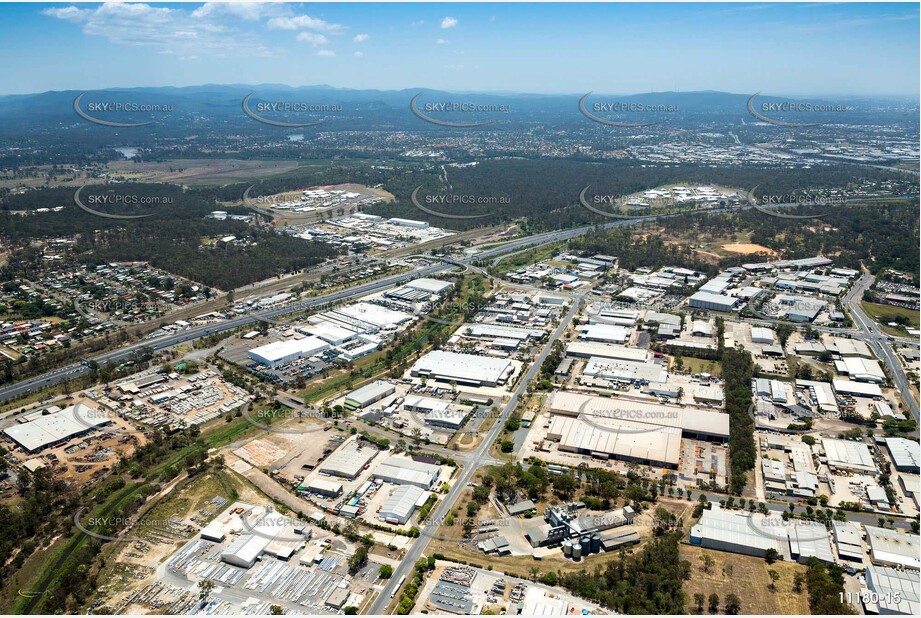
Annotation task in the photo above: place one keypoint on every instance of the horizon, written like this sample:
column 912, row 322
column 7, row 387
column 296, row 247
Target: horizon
column 849, row 49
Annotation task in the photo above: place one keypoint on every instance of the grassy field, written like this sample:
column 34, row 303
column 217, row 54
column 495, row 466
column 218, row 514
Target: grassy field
column 746, row 577
column 699, row 365
column 884, row 313
column 528, row 257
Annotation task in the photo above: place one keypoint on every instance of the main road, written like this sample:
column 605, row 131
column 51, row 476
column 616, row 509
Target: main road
column 475, row 458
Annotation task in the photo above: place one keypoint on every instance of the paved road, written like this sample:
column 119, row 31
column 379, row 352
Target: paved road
column 878, row 340
column 476, row 457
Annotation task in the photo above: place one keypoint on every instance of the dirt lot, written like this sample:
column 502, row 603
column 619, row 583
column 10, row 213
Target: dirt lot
column 746, row 577
column 746, row 248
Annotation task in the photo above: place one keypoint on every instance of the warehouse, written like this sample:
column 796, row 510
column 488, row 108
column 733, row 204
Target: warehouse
column 404, row 471
column 621, row 439
column 893, row 548
column 368, row 394
column 605, row 333
column 280, row 352
column 402, row 502
column 432, row 286
column 905, row 454
column 463, row 369
column 762, row 335
column 713, row 302
column 377, row 316
column 53, row 429
column 274, row 534
column 408, row 223
column 437, row 412
column 737, row 533
column 331, row 333
column 849, row 347
column 848, row 540
column 587, row 349
column 861, row 369
column 349, row 459
column 848, row 455
column 843, row 386
column 800, row 308
column 624, row 371
column 895, row 592
column 327, row 489
column 491, row 331
column 821, row 395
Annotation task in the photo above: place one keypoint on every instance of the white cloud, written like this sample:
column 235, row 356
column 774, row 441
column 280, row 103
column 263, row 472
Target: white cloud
column 361, row 38
column 448, row 22
column 417, row 23
column 250, row 11
column 175, row 32
column 359, row 54
column 313, row 38
column 303, row 22
column 441, row 42
column 326, row 53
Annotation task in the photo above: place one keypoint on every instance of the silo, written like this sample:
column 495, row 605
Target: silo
column 586, row 542
column 596, row 543
column 576, row 551
column 567, row 548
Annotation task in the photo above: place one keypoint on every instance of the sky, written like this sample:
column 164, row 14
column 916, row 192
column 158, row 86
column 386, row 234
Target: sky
column 776, row 48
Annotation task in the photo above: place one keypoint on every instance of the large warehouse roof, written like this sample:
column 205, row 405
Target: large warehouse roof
column 497, row 330
column 893, row 547
column 369, row 393
column 54, row 428
column 861, row 369
column 401, row 503
column 403, row 471
column 849, row 455
column 463, row 368
column 906, row 454
column 605, row 332
column 379, row 316
column 293, row 348
column 732, row 528
column 585, row 349
column 624, row 371
column 432, row 286
column 619, row 438
column 899, row 592
column 348, row 459
column 859, row 389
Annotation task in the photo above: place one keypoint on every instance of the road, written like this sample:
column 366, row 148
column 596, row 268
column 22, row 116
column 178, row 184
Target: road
column 475, row 460
column 878, row 340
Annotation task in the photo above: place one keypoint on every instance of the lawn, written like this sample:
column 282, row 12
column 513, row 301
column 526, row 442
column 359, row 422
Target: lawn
column 886, row 313
column 699, row 365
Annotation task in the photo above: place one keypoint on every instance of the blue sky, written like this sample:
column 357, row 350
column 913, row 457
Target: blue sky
column 782, row 48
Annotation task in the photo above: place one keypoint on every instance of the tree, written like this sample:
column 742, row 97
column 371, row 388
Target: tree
column 386, row 571
column 798, row 580
column 733, row 604
column 205, row 587
column 276, row 610
column 771, row 555
column 699, row 600
column 713, row 604
column 350, row 610
column 775, row 576
column 708, row 563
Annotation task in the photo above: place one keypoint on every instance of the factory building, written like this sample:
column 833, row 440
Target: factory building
column 849, row 455
column 624, row 371
column 272, row 535
column 368, row 394
column 762, row 335
column 327, row 489
column 894, row 592
column 588, row 349
column 844, row 386
column 463, row 368
column 605, row 333
column 408, row 223
column 893, row 548
column 737, row 533
column 436, row 412
column 349, row 459
column 402, row 502
column 905, row 454
column 280, row 352
column 712, row 302
column 861, row 369
column 404, row 471
column 53, row 429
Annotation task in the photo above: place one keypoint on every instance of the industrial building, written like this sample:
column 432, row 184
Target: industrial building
column 465, row 369
column 905, row 454
column 893, row 548
column 762, row 335
column 368, row 394
column 605, row 333
column 280, row 352
column 53, row 429
column 712, row 302
column 844, row 386
column 861, row 369
column 349, row 459
column 588, row 349
column 849, row 455
column 405, row 471
column 497, row 331
column 327, row 489
column 800, row 308
column 436, row 412
column 895, row 592
column 737, row 533
column 624, row 371
column 402, row 502
column 274, row 534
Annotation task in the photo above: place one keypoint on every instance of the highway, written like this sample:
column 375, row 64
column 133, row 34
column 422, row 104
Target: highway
column 475, row 458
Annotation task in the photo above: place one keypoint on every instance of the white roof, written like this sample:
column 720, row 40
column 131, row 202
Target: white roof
column 848, row 454
column 862, row 369
column 433, row 286
column 278, row 350
column 348, row 459
column 894, row 547
column 605, row 332
column 402, row 502
column 372, row 392
column 462, row 367
column 374, row 314
column 56, row 427
column 405, row 471
column 497, row 330
column 861, row 389
column 611, row 369
column 621, row 438
column 905, row 453
column 605, row 350
column 899, row 591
